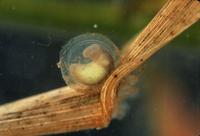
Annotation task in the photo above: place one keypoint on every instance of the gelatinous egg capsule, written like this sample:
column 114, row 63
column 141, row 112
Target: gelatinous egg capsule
column 87, row 59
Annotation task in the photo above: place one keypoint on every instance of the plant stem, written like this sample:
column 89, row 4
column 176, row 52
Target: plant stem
column 70, row 109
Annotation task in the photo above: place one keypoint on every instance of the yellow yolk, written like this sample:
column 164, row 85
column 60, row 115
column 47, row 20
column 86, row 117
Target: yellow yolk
column 90, row 73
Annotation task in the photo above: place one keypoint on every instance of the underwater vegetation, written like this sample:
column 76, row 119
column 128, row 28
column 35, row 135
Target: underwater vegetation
column 163, row 100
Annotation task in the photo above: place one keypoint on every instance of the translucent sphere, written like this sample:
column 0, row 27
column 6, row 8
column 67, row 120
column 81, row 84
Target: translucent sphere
column 87, row 59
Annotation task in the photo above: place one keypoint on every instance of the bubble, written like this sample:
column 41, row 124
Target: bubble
column 95, row 26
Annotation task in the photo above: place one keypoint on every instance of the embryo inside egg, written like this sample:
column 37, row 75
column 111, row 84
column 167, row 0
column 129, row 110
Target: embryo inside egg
column 94, row 71
column 87, row 59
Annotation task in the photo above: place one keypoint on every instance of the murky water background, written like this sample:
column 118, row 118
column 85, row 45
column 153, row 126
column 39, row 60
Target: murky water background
column 168, row 102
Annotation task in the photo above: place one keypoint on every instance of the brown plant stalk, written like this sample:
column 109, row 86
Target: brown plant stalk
column 70, row 109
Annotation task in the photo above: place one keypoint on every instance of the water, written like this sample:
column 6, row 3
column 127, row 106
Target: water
column 31, row 38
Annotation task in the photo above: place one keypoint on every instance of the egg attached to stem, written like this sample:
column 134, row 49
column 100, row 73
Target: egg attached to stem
column 87, row 59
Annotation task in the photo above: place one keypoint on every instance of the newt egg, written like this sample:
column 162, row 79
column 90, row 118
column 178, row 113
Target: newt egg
column 87, row 59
